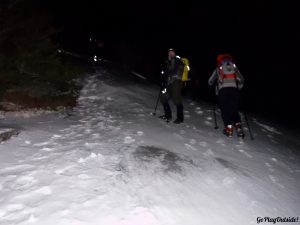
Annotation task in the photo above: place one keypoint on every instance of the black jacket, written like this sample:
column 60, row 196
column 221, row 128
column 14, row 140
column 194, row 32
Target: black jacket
column 174, row 69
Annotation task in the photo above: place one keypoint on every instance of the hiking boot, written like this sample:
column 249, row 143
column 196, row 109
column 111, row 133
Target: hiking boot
column 178, row 121
column 228, row 130
column 180, row 112
column 168, row 113
column 166, row 118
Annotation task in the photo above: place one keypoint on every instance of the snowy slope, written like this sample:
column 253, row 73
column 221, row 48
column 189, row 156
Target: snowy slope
column 110, row 162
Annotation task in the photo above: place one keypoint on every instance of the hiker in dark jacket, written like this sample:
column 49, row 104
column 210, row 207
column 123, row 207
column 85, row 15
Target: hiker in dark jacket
column 228, row 82
column 172, row 87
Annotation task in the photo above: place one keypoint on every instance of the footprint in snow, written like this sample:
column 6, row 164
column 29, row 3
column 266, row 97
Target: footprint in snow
column 193, row 141
column 228, row 181
column 92, row 156
column 47, row 149
column 178, row 136
column 209, row 123
column 203, row 144
column 41, row 144
column 269, row 167
column 24, row 182
column 208, row 153
column 84, row 177
column 182, row 132
column 128, row 140
column 273, row 178
column 268, row 164
column 14, row 207
column 140, row 133
column 274, row 142
column 11, row 208
column 275, row 181
column 46, row 190
column 16, row 169
column 87, row 131
column 190, row 147
column 32, row 219
column 245, row 153
column 39, row 158
column 199, row 112
column 96, row 136
column 274, row 159
column 63, row 170
column 57, row 136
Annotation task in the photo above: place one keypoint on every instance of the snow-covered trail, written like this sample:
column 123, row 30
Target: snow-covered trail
column 111, row 162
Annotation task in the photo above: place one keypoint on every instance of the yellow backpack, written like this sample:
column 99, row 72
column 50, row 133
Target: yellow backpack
column 185, row 74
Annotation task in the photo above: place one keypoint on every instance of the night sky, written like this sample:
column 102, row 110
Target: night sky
column 261, row 35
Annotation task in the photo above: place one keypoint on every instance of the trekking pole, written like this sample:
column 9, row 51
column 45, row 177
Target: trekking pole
column 214, row 110
column 156, row 105
column 248, row 125
column 215, row 116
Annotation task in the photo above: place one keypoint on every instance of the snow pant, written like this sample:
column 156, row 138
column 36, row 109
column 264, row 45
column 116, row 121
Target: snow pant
column 174, row 92
column 229, row 104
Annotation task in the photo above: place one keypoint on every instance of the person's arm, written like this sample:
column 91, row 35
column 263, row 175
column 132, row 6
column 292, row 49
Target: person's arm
column 240, row 79
column 213, row 78
column 167, row 69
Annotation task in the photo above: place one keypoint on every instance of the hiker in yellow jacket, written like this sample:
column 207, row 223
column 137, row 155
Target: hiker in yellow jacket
column 173, row 77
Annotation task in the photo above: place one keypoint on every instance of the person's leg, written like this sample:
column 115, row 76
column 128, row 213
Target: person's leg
column 235, row 106
column 177, row 99
column 225, row 105
column 180, row 118
column 223, row 100
column 164, row 99
column 236, row 119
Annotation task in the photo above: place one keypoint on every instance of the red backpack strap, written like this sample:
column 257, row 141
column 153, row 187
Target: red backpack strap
column 220, row 75
column 223, row 76
column 228, row 76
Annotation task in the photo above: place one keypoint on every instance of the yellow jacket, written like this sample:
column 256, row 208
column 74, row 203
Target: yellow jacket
column 185, row 74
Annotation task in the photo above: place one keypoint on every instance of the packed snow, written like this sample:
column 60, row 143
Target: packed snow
column 109, row 161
